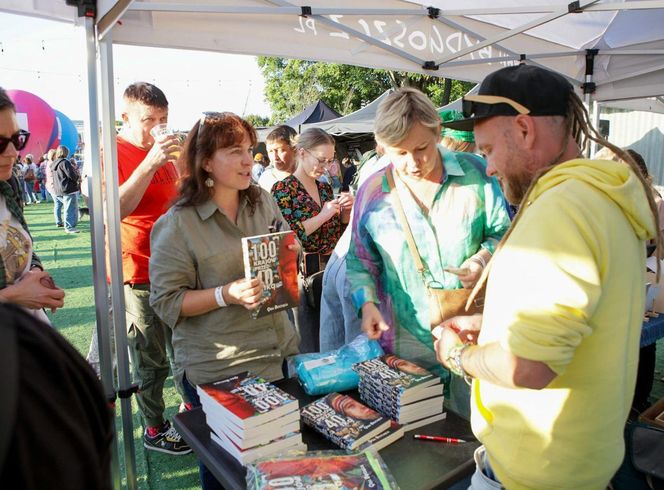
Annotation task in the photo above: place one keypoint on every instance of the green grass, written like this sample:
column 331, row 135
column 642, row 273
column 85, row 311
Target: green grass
column 68, row 258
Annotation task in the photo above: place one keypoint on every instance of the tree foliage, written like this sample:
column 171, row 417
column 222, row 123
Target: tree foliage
column 291, row 85
column 257, row 121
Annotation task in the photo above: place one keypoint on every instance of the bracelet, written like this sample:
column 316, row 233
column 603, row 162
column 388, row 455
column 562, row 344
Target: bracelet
column 454, row 360
column 479, row 259
column 219, row 296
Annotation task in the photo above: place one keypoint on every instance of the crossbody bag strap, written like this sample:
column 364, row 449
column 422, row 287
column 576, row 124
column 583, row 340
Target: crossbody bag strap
column 404, row 223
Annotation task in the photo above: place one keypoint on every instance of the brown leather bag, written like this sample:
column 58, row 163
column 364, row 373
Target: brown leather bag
column 443, row 303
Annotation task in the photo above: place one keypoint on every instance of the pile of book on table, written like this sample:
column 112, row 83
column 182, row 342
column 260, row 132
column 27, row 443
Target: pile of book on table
column 250, row 417
column 401, row 390
column 350, row 424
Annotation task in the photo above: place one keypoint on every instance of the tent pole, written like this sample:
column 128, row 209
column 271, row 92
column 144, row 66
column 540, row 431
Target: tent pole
column 91, row 156
column 125, row 389
column 589, row 89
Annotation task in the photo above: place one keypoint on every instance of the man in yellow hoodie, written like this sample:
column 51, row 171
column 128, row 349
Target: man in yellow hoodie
column 553, row 359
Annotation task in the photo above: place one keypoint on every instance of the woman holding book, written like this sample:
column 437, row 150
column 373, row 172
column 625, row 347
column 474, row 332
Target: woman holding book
column 314, row 214
column 455, row 214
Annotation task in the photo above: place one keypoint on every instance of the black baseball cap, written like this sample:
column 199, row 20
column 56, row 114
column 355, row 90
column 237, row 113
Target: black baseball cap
column 521, row 89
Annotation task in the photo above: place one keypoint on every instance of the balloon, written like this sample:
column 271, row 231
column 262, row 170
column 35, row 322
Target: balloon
column 36, row 116
column 54, row 139
column 68, row 135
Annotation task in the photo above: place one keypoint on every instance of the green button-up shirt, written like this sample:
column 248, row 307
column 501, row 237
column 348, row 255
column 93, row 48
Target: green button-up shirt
column 198, row 247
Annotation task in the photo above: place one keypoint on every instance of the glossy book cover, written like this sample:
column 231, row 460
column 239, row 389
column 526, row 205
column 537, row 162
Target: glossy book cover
column 321, row 471
column 270, row 258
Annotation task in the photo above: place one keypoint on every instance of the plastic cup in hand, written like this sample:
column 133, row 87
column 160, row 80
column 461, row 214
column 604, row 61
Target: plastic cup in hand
column 161, row 130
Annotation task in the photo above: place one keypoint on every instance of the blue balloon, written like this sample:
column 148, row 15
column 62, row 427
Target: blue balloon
column 68, row 133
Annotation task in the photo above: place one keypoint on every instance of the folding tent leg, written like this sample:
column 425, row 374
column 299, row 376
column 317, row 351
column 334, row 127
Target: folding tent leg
column 115, row 258
column 92, row 157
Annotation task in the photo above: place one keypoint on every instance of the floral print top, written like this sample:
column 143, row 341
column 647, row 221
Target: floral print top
column 297, row 205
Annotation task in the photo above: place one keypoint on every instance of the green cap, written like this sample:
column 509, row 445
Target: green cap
column 447, row 116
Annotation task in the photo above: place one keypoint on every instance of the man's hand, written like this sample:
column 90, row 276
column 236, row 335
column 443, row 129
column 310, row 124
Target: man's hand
column 372, row 321
column 244, row 292
column 455, row 332
column 34, row 290
column 164, row 149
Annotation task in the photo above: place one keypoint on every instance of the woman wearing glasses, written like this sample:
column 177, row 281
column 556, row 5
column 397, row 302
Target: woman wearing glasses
column 22, row 278
column 314, row 214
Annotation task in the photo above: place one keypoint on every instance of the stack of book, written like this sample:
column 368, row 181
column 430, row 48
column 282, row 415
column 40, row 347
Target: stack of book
column 401, row 390
column 251, row 418
column 350, row 424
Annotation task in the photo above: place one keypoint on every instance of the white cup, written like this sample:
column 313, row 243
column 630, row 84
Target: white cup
column 161, row 130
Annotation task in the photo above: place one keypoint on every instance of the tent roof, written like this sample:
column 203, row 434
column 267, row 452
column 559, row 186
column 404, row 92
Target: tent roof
column 360, row 121
column 432, row 37
column 316, row 112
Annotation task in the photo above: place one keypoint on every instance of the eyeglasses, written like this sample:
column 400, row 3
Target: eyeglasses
column 18, row 139
column 322, row 162
column 469, row 101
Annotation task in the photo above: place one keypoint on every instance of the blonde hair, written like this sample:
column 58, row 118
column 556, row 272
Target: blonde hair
column 51, row 154
column 61, row 152
column 311, row 138
column 454, row 144
column 400, row 111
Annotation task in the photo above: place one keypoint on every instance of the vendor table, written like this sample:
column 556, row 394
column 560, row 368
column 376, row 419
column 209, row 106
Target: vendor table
column 415, row 464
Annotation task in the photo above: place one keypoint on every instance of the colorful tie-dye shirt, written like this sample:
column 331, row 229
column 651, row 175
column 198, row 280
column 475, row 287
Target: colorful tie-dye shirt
column 468, row 213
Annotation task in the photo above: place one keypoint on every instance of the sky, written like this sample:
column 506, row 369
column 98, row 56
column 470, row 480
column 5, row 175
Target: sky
column 47, row 58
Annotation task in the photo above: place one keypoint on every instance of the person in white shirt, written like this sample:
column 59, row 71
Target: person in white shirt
column 280, row 149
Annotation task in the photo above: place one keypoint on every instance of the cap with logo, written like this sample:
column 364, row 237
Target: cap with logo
column 521, row 89
column 258, row 157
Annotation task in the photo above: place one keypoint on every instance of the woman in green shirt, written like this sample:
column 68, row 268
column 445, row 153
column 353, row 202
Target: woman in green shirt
column 196, row 268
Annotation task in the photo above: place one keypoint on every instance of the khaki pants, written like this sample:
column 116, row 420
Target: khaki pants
column 150, row 352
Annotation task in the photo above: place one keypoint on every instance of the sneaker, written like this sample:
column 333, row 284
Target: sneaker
column 73, row 230
column 59, row 225
column 185, row 407
column 166, row 440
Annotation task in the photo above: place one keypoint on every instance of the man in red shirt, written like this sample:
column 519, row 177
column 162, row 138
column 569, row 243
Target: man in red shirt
column 148, row 185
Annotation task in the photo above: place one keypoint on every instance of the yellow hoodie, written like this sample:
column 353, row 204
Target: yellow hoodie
column 567, row 289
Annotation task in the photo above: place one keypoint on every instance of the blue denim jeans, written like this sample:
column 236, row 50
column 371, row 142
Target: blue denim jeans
column 484, row 478
column 57, row 209
column 70, row 202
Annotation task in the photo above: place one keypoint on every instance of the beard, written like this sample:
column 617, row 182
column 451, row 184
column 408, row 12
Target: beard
column 516, row 183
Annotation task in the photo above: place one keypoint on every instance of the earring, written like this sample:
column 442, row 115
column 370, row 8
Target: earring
column 209, row 182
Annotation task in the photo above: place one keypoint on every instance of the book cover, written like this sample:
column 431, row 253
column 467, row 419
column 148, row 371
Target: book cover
column 245, row 400
column 395, row 375
column 321, row 471
column 262, row 434
column 268, row 257
column 343, row 420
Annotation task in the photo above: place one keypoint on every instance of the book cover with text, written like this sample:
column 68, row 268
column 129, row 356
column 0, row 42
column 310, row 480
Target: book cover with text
column 270, row 258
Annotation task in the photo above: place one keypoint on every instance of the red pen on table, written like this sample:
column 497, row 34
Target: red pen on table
column 449, row 440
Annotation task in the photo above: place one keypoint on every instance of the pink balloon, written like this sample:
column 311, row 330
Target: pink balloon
column 36, row 116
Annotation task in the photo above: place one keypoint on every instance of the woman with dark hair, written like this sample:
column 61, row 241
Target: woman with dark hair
column 196, row 268
column 197, row 278
column 22, row 277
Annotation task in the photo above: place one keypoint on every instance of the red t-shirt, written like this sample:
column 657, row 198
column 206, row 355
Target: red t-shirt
column 135, row 229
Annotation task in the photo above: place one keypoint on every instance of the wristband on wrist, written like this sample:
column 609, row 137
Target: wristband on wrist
column 479, row 259
column 456, row 365
column 219, row 296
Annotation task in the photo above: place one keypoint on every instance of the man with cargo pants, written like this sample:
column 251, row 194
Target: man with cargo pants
column 147, row 177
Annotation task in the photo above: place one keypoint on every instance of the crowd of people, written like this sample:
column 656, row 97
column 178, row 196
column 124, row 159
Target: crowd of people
column 429, row 215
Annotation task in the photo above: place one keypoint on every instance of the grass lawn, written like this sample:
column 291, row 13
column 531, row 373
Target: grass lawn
column 69, row 260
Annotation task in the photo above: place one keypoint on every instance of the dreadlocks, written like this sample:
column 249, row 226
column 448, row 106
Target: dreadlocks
column 578, row 125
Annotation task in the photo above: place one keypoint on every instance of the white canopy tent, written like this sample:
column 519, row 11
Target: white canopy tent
column 612, row 49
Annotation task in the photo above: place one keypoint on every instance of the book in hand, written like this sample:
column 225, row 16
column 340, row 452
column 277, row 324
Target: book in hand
column 246, row 401
column 343, row 420
column 288, row 442
column 269, row 257
column 321, row 470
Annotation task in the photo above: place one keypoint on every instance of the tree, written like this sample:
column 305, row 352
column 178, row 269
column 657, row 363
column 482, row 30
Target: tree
column 257, row 121
column 291, row 85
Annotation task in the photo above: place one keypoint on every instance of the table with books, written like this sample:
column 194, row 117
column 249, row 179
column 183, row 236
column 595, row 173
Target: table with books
column 238, row 437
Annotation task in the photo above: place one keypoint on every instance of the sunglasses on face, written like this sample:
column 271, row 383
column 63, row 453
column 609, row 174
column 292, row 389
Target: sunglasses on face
column 469, row 104
column 18, row 139
column 322, row 162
